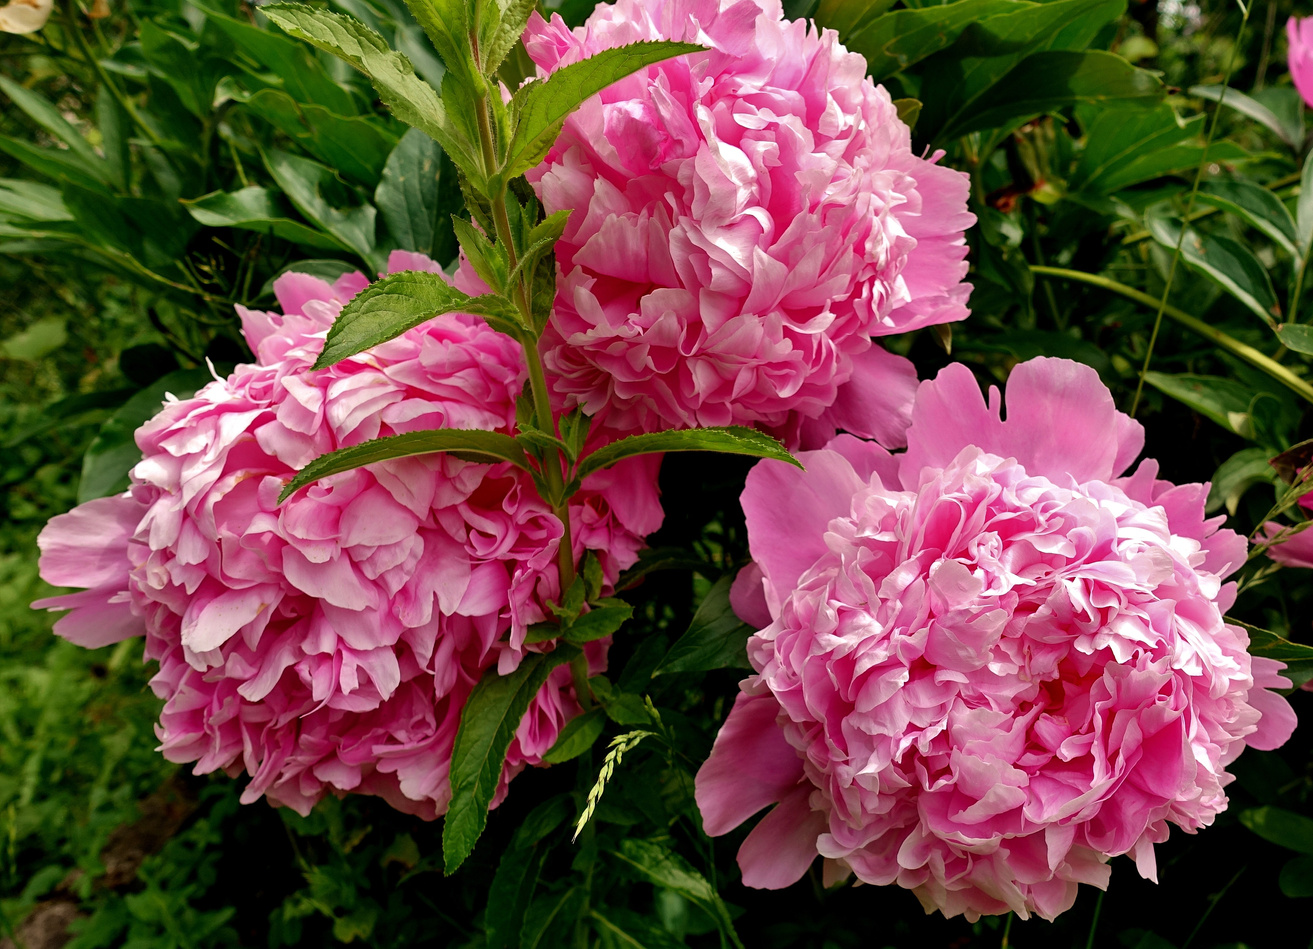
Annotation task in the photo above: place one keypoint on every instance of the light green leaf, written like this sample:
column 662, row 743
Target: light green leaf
column 1238, row 474
column 579, row 734
column 1126, row 146
column 734, row 440
column 897, row 40
column 1230, row 265
column 319, row 194
column 114, row 452
column 1255, row 205
column 32, row 201
column 487, row 725
column 398, row 302
column 715, row 639
column 1296, row 336
column 352, row 145
column 539, row 107
column 257, row 209
column 1235, row 99
column 1055, row 79
column 513, row 19
column 654, row 863
column 37, row 340
column 407, row 194
column 447, row 25
column 475, row 444
column 847, row 16
column 602, row 620
column 1281, row 827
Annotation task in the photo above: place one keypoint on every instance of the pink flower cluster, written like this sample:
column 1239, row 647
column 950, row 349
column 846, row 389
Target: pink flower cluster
column 744, row 221
column 1299, row 55
column 987, row 664
column 329, row 644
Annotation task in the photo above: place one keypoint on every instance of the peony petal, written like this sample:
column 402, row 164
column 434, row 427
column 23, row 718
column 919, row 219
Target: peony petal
column 751, row 765
column 783, row 844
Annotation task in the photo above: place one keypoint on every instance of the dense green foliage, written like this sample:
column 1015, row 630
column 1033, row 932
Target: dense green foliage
column 159, row 166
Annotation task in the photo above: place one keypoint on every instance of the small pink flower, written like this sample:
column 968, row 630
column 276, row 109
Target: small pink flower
column 989, row 663
column 1299, row 55
column 328, row 644
column 744, row 221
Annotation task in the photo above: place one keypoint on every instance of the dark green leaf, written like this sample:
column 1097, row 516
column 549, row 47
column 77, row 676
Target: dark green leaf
column 734, row 440
column 319, row 194
column 257, row 209
column 181, row 64
column 114, row 452
column 407, row 195
column 1238, row 474
column 354, row 146
column 654, row 863
column 115, row 128
column 1281, row 827
column 716, row 639
column 68, row 412
column 55, row 163
column 847, row 16
column 602, row 620
column 1304, row 209
column 1126, row 146
column 45, row 114
column 1227, row 263
column 1255, row 205
column 486, row 447
column 541, row 106
column 517, row 873
column 32, row 201
column 900, row 39
column 487, row 725
column 1296, row 336
column 579, row 734
column 1225, row 401
column 398, row 302
column 1235, row 99
column 1055, row 79
column 1297, row 656
column 620, row 928
column 551, row 919
column 1296, row 880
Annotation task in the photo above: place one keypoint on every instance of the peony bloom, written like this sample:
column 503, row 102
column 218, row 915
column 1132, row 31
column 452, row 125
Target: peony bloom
column 1299, row 55
column 744, row 221
column 25, row 16
column 992, row 662
column 329, row 644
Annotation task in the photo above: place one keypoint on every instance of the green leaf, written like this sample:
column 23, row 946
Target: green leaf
column 602, row 620
column 59, row 164
column 518, row 872
column 1255, row 205
column 485, row 447
column 1304, row 209
column 68, row 412
column 352, row 145
column 654, row 863
column 1124, row 147
column 734, row 440
column 620, row 928
column 32, row 200
column 578, row 735
column 1263, row 642
column 1235, row 99
column 897, row 40
column 1296, row 880
column 551, row 919
column 319, row 194
column 258, row 209
column 1281, row 827
column 1055, row 79
column 539, row 107
column 1296, row 336
column 36, row 340
column 513, row 19
column 114, row 452
column 410, row 98
column 181, row 64
column 408, row 193
column 847, row 16
column 447, row 26
column 1227, row 263
column 1238, row 474
column 487, row 725
column 715, row 639
column 909, row 110
column 44, row 114
column 399, row 302
column 1223, row 400
column 115, row 127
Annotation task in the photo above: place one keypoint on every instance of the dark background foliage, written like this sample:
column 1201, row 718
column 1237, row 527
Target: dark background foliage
column 162, row 164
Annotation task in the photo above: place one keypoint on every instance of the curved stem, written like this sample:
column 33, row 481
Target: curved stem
column 1232, row 345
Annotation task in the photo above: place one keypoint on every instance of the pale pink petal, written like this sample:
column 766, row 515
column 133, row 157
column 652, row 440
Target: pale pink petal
column 783, row 844
column 751, row 765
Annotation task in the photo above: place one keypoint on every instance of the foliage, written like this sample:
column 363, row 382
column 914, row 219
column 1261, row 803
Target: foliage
column 162, row 165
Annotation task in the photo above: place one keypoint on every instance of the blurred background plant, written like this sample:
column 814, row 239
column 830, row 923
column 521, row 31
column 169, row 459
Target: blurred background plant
column 160, row 164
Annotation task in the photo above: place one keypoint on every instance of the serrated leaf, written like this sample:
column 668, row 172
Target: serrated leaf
column 1281, row 827
column 539, row 107
column 1255, row 205
column 486, row 447
column 401, row 301
column 1227, row 263
column 487, row 725
column 654, row 863
column 578, row 735
column 486, row 258
column 513, row 19
column 715, row 639
column 602, row 620
column 447, row 25
column 733, row 440
column 410, row 98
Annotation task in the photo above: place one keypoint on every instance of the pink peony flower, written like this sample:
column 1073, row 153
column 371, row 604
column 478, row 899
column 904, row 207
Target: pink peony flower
column 744, row 221
column 1299, row 55
column 992, row 662
column 329, row 644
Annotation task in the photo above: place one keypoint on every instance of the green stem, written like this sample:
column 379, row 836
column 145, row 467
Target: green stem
column 1232, row 345
column 1189, row 210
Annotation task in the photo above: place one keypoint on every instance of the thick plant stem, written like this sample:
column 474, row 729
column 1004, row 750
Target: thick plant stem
column 1232, row 345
